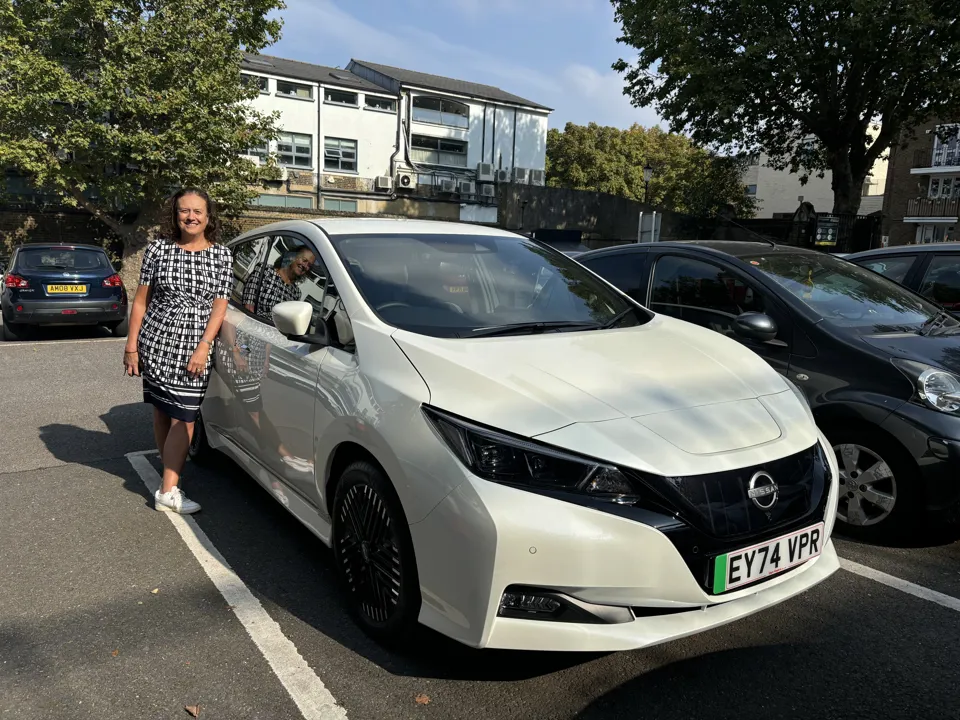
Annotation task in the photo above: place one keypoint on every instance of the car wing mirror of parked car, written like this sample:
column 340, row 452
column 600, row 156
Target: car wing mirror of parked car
column 755, row 326
column 293, row 319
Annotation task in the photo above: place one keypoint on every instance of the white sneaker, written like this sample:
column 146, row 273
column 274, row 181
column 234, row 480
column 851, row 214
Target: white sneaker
column 174, row 501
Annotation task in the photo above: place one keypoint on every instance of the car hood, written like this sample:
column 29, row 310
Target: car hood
column 667, row 375
column 939, row 350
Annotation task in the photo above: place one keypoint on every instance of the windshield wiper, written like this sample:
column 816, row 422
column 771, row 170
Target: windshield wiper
column 936, row 323
column 531, row 328
column 618, row 318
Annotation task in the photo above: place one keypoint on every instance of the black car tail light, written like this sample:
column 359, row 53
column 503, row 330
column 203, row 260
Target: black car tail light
column 113, row 281
column 16, row 282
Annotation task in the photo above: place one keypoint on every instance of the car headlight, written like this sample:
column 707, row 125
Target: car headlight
column 503, row 459
column 936, row 388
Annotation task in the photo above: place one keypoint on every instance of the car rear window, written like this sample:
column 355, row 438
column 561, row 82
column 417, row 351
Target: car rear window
column 61, row 259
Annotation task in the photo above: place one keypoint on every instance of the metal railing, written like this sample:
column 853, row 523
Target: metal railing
column 927, row 207
column 941, row 157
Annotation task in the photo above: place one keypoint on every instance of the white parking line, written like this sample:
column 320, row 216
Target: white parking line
column 41, row 343
column 902, row 585
column 301, row 682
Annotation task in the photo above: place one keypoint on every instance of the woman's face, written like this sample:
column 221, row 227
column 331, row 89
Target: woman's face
column 192, row 216
column 302, row 263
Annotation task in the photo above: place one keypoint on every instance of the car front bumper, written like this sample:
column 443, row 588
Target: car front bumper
column 484, row 538
column 68, row 311
column 933, row 440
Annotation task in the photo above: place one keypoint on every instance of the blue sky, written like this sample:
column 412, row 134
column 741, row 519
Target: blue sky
column 554, row 52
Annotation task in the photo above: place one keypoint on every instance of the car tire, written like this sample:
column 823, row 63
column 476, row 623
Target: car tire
column 369, row 525
column 12, row 332
column 879, row 497
column 200, row 450
column 119, row 329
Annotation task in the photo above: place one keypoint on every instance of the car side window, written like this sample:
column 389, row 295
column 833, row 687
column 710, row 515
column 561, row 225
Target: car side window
column 247, row 256
column 942, row 281
column 895, row 268
column 701, row 293
column 622, row 270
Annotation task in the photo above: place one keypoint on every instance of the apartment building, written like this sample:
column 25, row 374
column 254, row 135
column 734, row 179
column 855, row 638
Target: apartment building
column 379, row 139
column 779, row 192
column 923, row 187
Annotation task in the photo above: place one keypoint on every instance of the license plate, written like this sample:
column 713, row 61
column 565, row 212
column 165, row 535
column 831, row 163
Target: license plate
column 742, row 567
column 66, row 289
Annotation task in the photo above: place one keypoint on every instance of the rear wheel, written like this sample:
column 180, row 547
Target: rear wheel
column 374, row 555
column 879, row 496
column 12, row 331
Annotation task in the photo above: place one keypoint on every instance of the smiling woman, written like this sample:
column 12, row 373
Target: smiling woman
column 185, row 281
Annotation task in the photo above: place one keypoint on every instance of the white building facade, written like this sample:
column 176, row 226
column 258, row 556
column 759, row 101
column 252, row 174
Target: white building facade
column 379, row 139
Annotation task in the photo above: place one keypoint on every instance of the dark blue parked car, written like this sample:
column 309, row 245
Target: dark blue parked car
column 61, row 285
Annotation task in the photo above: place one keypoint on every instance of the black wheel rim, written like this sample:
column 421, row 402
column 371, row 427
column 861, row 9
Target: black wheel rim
column 369, row 553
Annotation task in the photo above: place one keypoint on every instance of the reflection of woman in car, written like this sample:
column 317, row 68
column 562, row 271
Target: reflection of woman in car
column 264, row 289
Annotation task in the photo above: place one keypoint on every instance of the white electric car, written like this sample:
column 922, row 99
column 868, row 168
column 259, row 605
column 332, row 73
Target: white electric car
column 501, row 446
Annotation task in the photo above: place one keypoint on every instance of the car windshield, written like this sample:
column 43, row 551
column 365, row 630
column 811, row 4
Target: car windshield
column 61, row 259
column 844, row 294
column 473, row 285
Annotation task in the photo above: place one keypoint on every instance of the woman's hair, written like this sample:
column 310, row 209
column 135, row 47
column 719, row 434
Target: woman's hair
column 172, row 227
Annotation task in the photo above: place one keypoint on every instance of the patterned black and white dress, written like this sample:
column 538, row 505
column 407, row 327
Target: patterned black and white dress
column 184, row 285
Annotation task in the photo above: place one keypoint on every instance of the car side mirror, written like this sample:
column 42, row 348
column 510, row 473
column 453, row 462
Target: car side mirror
column 293, row 319
column 755, row 326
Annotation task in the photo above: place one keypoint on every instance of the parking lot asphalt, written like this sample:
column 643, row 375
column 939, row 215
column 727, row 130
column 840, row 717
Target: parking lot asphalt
column 84, row 635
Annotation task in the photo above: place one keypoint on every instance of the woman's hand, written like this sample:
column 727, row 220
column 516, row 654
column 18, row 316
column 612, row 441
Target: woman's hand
column 131, row 363
column 198, row 363
column 239, row 360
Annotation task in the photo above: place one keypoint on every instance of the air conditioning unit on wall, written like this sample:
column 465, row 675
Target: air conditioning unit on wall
column 384, row 182
column 448, row 185
column 521, row 175
column 538, row 177
column 467, row 187
column 488, row 191
column 406, row 180
column 486, row 172
column 503, row 175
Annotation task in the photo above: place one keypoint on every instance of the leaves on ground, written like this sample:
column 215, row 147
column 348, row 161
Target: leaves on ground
column 155, row 591
column 194, row 710
column 115, row 652
column 422, row 699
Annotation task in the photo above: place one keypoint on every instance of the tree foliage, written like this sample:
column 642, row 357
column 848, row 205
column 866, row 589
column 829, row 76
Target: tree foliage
column 115, row 103
column 853, row 74
column 686, row 177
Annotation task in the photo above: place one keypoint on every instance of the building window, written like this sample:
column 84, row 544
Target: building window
column 946, row 153
column 439, row 151
column 441, row 111
column 340, row 155
column 284, row 201
column 295, row 150
column 260, row 151
column 380, row 103
column 261, row 82
column 339, row 205
column 944, row 188
column 296, row 90
column 339, row 97
column 751, row 190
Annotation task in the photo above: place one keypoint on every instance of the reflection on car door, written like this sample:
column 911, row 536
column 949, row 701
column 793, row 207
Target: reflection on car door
column 712, row 296
column 276, row 376
column 941, row 282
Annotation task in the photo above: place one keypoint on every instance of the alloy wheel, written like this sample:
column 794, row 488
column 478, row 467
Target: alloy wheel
column 868, row 488
column 369, row 553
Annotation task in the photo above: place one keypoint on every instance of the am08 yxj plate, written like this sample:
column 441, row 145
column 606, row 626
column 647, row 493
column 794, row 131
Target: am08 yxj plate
column 742, row 567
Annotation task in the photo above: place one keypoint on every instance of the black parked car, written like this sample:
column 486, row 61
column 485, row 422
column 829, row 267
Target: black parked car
column 933, row 270
column 879, row 365
column 61, row 285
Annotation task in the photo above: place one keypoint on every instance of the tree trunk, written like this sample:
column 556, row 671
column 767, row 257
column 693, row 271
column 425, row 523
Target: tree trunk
column 135, row 240
column 847, row 185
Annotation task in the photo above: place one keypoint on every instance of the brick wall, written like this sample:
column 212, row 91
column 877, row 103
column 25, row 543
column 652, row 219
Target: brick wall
column 902, row 186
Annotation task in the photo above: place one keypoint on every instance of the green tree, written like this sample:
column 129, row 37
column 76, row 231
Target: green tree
column 850, row 75
column 115, row 103
column 686, row 178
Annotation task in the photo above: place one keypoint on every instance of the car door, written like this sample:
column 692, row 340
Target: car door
column 278, row 375
column 900, row 267
column 227, row 381
column 712, row 293
column 941, row 281
column 624, row 269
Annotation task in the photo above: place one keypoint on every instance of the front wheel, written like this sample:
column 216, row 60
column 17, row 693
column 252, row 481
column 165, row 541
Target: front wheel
column 199, row 451
column 878, row 490
column 374, row 556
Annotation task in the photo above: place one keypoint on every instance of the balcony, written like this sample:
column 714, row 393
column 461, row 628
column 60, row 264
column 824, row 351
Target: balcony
column 943, row 208
column 941, row 159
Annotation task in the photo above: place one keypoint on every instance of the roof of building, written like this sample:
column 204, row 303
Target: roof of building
column 445, row 84
column 297, row 70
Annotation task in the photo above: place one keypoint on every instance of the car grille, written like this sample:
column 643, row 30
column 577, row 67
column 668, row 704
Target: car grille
column 718, row 505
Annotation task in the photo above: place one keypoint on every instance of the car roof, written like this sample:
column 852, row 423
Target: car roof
column 950, row 247
column 361, row 226
column 58, row 246
column 734, row 248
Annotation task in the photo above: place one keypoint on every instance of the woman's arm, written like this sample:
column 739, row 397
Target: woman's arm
column 198, row 363
column 140, row 302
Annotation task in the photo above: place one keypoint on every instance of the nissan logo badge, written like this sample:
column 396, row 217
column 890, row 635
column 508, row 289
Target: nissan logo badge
column 763, row 491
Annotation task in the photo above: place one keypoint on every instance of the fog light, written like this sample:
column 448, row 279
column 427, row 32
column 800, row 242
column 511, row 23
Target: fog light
column 113, row 307
column 513, row 602
column 19, row 308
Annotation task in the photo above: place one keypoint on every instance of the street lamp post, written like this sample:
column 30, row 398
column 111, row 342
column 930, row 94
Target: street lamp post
column 647, row 174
